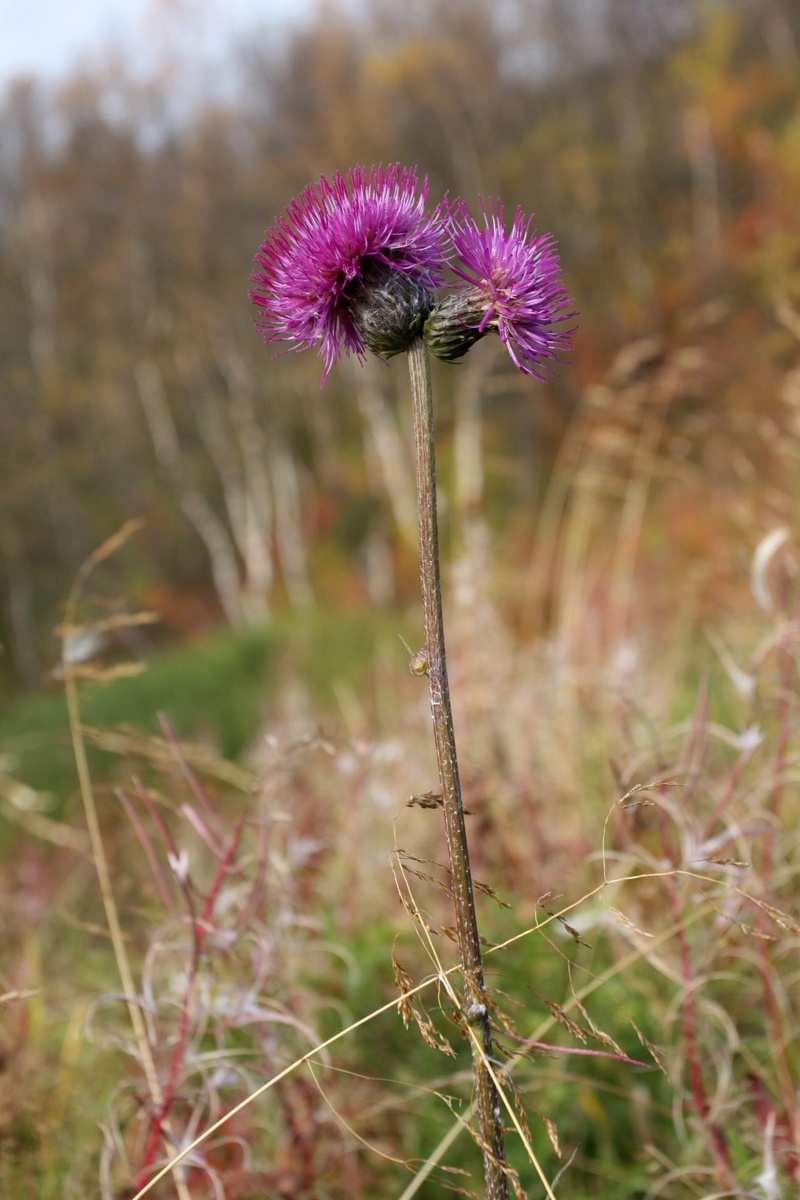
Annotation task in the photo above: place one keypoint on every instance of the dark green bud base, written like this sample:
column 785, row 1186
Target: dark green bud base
column 388, row 309
column 452, row 328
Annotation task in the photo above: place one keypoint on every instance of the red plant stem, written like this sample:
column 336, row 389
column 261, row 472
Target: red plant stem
column 150, row 854
column 691, row 762
column 786, row 1087
column 725, row 799
column 715, row 1137
column 200, row 927
column 781, row 747
column 476, row 1009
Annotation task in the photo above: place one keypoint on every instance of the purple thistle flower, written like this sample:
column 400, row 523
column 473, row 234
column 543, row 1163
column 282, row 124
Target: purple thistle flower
column 514, row 288
column 350, row 265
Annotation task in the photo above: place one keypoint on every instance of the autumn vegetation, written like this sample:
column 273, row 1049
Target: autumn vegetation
column 208, row 731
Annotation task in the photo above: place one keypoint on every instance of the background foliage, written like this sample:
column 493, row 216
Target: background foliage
column 658, row 142
column 622, row 580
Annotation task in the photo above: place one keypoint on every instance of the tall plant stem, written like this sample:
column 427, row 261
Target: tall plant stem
column 475, row 1010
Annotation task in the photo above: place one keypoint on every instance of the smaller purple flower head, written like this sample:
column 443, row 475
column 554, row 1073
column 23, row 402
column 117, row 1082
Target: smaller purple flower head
column 513, row 287
column 350, row 264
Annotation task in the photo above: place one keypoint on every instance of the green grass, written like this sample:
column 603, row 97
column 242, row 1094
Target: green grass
column 222, row 691
column 215, row 689
column 218, row 690
column 600, row 1107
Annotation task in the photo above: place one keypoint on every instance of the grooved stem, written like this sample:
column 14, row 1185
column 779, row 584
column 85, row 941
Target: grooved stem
column 487, row 1098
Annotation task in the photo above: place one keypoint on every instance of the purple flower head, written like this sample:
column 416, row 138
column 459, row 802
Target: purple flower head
column 513, row 287
column 350, row 264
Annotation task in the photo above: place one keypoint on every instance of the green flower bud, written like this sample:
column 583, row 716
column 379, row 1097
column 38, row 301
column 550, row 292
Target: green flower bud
column 388, row 309
column 453, row 327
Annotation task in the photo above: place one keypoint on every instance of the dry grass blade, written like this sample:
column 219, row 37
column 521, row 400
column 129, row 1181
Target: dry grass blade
column 598, row 1034
column 690, row 918
column 490, row 892
column 780, row 918
column 105, row 550
column 627, row 922
column 92, row 674
column 11, row 997
column 43, row 827
column 566, row 1020
column 98, row 849
column 124, row 620
column 158, row 751
column 278, row 1078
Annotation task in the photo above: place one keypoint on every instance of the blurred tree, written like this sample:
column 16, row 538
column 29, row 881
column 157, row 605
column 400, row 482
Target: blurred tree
column 658, row 142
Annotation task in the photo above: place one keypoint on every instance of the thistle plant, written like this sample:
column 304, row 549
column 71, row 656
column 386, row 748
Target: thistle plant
column 354, row 265
column 511, row 286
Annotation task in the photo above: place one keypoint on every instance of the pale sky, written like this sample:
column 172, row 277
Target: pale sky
column 49, row 37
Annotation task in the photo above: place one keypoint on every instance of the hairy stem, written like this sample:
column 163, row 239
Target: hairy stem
column 476, row 1011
